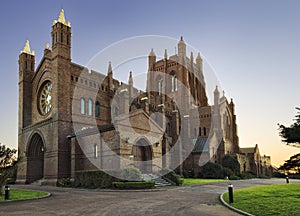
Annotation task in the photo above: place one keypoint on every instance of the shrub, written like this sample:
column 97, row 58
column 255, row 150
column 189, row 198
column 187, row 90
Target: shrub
column 231, row 162
column 247, row 175
column 93, row 179
column 134, row 185
column 188, row 173
column 131, row 174
column 212, row 170
column 64, row 182
column 227, row 172
column 278, row 175
column 234, row 177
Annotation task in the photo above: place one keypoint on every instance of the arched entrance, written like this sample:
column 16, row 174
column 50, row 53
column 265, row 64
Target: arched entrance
column 142, row 152
column 35, row 159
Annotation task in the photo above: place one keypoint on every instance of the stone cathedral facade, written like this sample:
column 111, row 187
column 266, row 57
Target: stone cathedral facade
column 50, row 146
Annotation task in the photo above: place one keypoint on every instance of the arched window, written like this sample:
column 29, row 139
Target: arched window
column 82, row 106
column 174, row 83
column 204, row 131
column 160, row 85
column 90, row 107
column 199, row 131
column 97, row 109
column 96, row 155
column 169, row 129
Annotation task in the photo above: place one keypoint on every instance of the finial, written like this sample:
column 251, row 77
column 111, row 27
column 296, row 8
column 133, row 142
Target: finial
column 26, row 48
column 152, row 53
column 216, row 90
column 109, row 67
column 166, row 54
column 181, row 40
column 192, row 56
column 223, row 93
column 47, row 46
column 130, row 81
column 61, row 19
column 198, row 57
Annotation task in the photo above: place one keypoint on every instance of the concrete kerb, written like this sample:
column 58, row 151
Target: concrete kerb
column 232, row 208
column 26, row 199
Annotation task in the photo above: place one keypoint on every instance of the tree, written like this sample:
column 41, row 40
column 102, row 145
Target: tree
column 212, row 170
column 8, row 162
column 291, row 135
column 231, row 163
column 292, row 165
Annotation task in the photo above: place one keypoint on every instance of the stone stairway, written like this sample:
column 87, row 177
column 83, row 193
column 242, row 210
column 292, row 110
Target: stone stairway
column 159, row 182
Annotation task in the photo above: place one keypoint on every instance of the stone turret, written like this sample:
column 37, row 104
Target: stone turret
column 26, row 72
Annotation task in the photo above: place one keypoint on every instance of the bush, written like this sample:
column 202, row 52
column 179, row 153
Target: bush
column 278, row 175
column 247, row 175
column 234, row 178
column 134, row 185
column 212, row 170
column 227, row 172
column 64, row 182
column 188, row 173
column 263, row 176
column 93, row 179
column 231, row 162
column 131, row 174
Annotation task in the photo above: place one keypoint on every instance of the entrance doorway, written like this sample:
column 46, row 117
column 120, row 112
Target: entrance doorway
column 142, row 152
column 35, row 159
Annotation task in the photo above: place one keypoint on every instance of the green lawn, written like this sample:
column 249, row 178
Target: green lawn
column 272, row 200
column 23, row 194
column 189, row 181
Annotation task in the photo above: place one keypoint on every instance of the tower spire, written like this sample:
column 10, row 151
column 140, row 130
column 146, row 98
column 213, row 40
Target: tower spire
column 152, row 53
column 166, row 54
column 61, row 19
column 130, row 81
column 26, row 48
column 109, row 68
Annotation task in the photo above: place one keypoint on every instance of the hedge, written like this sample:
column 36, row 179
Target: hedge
column 134, row 185
column 93, row 179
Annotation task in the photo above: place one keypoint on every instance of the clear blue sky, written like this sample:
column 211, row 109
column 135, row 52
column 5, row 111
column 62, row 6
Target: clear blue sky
column 253, row 47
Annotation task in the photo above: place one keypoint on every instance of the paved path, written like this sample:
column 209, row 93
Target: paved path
column 190, row 200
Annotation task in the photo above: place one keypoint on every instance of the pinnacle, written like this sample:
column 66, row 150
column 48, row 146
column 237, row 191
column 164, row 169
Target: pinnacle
column 152, row 53
column 61, row 19
column 26, row 48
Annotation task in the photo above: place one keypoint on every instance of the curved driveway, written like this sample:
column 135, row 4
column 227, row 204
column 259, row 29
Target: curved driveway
column 188, row 200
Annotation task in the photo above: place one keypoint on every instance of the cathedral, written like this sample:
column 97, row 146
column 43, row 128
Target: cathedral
column 72, row 118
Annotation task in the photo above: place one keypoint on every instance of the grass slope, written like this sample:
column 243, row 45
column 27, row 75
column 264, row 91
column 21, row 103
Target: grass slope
column 190, row 181
column 23, row 194
column 272, row 200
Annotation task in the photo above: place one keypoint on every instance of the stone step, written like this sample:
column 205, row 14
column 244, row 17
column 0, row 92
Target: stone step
column 159, row 182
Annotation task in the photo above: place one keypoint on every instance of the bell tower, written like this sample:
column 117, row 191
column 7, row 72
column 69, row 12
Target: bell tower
column 26, row 72
column 61, row 95
column 61, row 37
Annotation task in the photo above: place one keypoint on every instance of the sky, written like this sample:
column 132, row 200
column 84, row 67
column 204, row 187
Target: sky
column 253, row 47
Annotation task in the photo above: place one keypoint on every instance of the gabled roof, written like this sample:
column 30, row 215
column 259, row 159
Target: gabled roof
column 247, row 150
column 201, row 145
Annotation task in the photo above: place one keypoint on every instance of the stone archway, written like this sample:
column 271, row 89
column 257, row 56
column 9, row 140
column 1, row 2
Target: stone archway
column 142, row 152
column 35, row 159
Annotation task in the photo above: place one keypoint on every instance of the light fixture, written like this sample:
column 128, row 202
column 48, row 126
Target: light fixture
column 144, row 98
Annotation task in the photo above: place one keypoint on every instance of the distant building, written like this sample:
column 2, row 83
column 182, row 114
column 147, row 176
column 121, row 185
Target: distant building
column 49, row 145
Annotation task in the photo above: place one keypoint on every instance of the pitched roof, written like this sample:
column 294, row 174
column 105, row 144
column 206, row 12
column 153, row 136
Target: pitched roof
column 247, row 150
column 200, row 145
